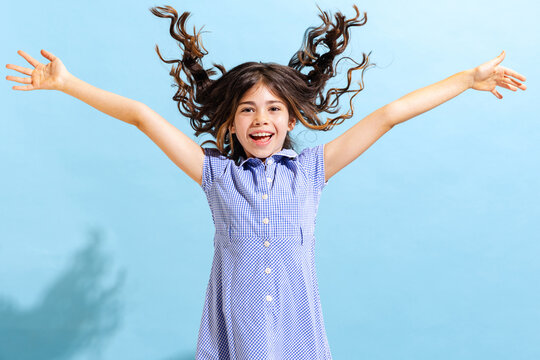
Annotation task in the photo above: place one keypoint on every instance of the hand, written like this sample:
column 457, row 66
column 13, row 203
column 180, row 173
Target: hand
column 487, row 76
column 51, row 76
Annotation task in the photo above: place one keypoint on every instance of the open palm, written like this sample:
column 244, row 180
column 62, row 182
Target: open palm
column 49, row 76
column 490, row 74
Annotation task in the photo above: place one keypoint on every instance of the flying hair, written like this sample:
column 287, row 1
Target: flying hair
column 210, row 104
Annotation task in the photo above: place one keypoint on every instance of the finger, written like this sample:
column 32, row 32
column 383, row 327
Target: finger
column 507, row 85
column 515, row 83
column 499, row 58
column 496, row 93
column 511, row 72
column 19, row 79
column 47, row 55
column 28, row 58
column 24, row 88
column 20, row 69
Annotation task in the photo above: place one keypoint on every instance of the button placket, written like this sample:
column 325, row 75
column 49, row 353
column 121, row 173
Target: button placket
column 269, row 161
column 266, row 206
column 269, row 180
column 268, row 270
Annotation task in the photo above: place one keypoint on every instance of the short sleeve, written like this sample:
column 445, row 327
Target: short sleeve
column 312, row 160
column 213, row 167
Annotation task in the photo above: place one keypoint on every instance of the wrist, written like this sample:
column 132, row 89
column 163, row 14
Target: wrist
column 66, row 83
column 468, row 76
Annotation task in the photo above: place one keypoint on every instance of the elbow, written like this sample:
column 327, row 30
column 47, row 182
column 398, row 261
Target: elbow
column 138, row 115
column 387, row 117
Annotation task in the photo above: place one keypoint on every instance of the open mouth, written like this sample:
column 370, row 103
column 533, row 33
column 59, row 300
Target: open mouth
column 261, row 140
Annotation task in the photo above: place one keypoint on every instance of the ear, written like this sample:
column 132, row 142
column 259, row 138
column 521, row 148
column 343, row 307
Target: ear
column 292, row 123
column 232, row 129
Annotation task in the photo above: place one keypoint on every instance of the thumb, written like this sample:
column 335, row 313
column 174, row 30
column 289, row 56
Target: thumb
column 499, row 58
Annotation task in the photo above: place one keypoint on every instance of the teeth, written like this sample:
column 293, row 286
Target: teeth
column 261, row 134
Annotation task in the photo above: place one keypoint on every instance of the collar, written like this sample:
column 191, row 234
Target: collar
column 290, row 153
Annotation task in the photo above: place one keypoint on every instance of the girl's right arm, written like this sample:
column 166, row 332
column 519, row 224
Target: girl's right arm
column 184, row 152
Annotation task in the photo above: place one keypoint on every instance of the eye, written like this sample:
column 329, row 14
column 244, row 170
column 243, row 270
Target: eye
column 276, row 108
column 244, row 109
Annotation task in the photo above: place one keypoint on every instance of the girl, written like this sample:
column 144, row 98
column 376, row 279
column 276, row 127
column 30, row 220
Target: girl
column 262, row 299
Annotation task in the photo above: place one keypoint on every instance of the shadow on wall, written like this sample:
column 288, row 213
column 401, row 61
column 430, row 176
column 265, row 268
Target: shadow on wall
column 76, row 313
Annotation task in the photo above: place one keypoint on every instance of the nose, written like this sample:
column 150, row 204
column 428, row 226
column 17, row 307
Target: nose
column 261, row 118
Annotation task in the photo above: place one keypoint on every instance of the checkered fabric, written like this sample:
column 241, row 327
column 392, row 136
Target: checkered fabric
column 262, row 299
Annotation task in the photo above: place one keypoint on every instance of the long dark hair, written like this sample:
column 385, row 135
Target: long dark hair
column 210, row 104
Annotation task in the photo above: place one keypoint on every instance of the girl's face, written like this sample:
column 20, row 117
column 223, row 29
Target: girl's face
column 260, row 111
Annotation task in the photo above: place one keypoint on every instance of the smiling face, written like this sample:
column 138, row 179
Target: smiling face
column 260, row 111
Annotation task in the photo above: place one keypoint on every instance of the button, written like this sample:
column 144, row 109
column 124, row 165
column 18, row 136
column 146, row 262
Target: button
column 265, row 220
column 266, row 243
column 265, row 196
column 268, row 298
column 269, row 180
column 270, row 162
column 267, row 270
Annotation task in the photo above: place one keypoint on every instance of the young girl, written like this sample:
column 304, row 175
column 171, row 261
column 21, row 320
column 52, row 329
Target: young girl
column 262, row 300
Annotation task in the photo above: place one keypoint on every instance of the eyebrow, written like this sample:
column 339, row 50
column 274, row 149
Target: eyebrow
column 268, row 102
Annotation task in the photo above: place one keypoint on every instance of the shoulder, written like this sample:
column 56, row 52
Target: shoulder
column 213, row 152
column 214, row 166
column 311, row 156
column 311, row 161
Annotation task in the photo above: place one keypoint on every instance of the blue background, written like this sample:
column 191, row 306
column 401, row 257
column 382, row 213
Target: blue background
column 427, row 244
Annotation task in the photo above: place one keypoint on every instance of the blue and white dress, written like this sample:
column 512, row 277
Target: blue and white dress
column 262, row 299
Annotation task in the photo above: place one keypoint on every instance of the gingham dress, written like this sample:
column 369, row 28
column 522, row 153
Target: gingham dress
column 262, row 299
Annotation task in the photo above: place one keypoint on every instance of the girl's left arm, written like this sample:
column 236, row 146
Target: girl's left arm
column 485, row 77
column 348, row 146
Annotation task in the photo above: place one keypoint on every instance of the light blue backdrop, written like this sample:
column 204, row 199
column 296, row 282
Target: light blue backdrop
column 427, row 244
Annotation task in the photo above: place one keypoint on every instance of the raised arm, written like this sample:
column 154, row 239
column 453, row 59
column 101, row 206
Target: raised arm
column 183, row 151
column 341, row 151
